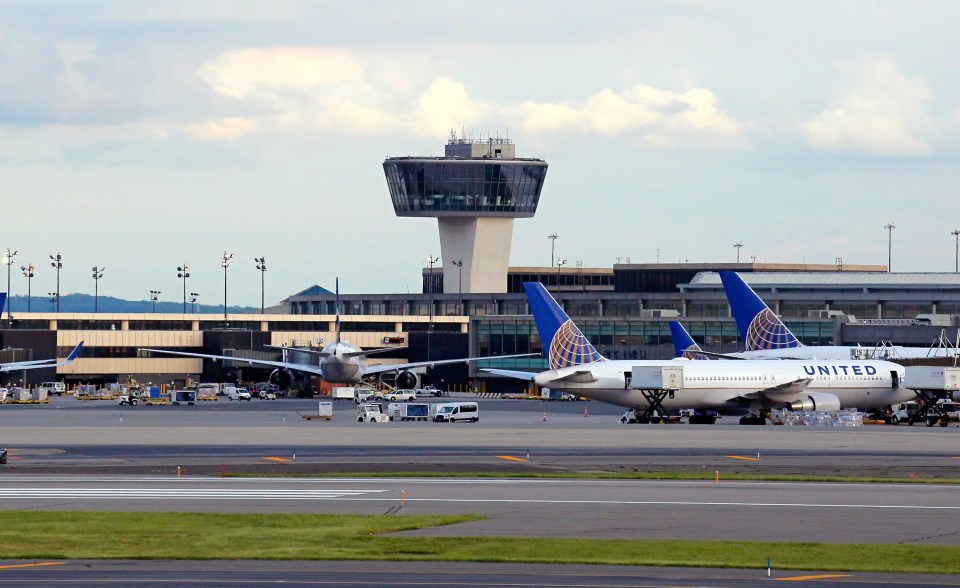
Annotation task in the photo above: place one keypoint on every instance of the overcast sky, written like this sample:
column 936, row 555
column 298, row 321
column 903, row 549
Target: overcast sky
column 141, row 135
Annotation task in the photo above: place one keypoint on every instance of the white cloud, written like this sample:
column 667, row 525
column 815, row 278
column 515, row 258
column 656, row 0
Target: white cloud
column 664, row 119
column 325, row 89
column 246, row 72
column 885, row 113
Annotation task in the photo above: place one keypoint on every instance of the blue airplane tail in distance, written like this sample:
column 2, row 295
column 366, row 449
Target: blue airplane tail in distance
column 3, row 300
column 563, row 343
column 683, row 344
column 759, row 327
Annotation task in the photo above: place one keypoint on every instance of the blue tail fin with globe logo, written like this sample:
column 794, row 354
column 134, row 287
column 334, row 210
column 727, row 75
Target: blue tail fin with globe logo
column 759, row 327
column 563, row 343
column 683, row 344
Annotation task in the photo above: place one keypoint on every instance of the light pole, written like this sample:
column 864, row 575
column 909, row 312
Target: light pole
column 27, row 271
column 154, row 296
column 262, row 266
column 57, row 263
column 430, row 261
column 97, row 274
column 8, row 259
column 956, row 263
column 889, row 227
column 183, row 272
column 193, row 301
column 459, row 264
column 53, row 298
column 738, row 245
column 553, row 241
column 227, row 262
column 560, row 264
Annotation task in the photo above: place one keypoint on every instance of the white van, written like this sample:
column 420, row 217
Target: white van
column 457, row 411
column 234, row 393
column 57, row 388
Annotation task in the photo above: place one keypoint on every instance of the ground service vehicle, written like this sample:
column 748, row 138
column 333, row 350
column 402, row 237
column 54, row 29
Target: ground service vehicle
column 129, row 400
column 3, row 456
column 404, row 395
column 238, row 393
column 908, row 413
column 431, row 390
column 57, row 388
column 188, row 397
column 412, row 411
column 343, row 393
column 371, row 413
column 457, row 411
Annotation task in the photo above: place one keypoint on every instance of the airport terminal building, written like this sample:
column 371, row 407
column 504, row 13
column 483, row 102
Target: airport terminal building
column 623, row 310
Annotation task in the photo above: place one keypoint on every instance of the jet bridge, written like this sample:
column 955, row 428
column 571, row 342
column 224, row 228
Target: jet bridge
column 655, row 383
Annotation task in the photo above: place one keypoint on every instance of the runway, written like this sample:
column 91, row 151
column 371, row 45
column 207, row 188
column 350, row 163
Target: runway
column 18, row 574
column 607, row 509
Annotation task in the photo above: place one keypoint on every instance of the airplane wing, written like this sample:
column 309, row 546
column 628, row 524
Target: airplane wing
column 517, row 375
column 373, row 351
column 325, row 354
column 715, row 355
column 379, row 369
column 300, row 367
column 37, row 364
column 300, row 349
column 786, row 391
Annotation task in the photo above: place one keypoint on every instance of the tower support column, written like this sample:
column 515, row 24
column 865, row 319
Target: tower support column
column 483, row 243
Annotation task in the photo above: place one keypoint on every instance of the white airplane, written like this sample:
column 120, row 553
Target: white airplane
column 766, row 337
column 340, row 362
column 758, row 385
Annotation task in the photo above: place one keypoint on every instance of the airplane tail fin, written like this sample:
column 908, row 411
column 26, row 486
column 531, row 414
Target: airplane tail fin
column 73, row 354
column 336, row 336
column 759, row 327
column 3, row 300
column 564, row 344
column 683, row 344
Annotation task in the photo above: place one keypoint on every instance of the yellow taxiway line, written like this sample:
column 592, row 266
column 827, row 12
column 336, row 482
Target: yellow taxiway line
column 743, row 457
column 279, row 459
column 511, row 458
column 820, row 577
column 34, row 565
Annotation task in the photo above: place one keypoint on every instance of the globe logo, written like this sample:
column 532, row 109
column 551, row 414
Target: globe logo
column 767, row 332
column 569, row 347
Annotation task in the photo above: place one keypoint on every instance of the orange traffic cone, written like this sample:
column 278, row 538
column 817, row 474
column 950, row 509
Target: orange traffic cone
column 544, row 416
column 585, row 411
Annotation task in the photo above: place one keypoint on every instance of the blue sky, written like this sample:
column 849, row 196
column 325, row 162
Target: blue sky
column 141, row 135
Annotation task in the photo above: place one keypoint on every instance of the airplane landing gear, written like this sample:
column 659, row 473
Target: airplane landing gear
column 753, row 420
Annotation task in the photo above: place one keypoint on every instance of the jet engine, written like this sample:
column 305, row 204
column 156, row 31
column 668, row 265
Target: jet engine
column 408, row 380
column 815, row 401
column 282, row 378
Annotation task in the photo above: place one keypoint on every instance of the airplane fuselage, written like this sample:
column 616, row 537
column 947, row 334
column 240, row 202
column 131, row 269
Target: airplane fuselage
column 723, row 384
column 339, row 367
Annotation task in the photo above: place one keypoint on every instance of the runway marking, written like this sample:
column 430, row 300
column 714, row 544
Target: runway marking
column 183, row 493
column 277, row 459
column 820, row 577
column 743, row 457
column 34, row 565
column 511, row 458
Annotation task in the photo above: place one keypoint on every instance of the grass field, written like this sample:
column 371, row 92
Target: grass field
column 124, row 535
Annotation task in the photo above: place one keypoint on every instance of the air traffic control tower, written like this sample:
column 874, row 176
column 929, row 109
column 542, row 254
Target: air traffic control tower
column 475, row 191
